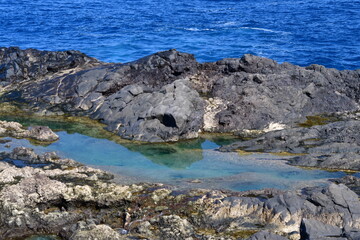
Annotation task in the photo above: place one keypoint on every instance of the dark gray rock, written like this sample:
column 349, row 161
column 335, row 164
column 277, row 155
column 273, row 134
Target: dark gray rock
column 146, row 100
column 246, row 93
column 259, row 91
column 172, row 113
column 32, row 64
column 350, row 181
column 334, row 145
column 314, row 230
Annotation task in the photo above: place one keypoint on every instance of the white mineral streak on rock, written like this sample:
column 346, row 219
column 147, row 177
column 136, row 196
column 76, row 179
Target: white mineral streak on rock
column 213, row 106
column 274, row 127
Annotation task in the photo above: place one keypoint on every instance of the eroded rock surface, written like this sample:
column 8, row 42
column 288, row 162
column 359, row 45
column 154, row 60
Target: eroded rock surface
column 139, row 100
column 18, row 65
column 335, row 145
column 77, row 202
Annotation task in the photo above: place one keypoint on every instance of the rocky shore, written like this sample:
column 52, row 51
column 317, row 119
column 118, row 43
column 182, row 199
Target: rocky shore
column 335, row 145
column 169, row 96
column 45, row 194
column 310, row 113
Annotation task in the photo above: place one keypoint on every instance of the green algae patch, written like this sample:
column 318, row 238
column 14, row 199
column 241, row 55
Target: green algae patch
column 346, row 171
column 317, row 120
column 243, row 153
column 236, row 234
column 39, row 143
column 287, row 154
column 243, row 234
column 70, row 124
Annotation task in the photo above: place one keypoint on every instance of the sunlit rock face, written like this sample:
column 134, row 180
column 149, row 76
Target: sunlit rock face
column 39, row 133
column 169, row 96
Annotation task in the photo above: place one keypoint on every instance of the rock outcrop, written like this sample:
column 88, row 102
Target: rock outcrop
column 18, row 65
column 39, row 133
column 334, row 146
column 170, row 96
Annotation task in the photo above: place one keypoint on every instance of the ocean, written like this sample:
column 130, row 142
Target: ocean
column 325, row 32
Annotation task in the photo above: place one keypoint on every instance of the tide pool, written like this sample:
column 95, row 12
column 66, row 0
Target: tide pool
column 192, row 163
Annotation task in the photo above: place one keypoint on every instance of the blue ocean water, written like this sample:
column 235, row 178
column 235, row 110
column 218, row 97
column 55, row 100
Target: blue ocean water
column 302, row 32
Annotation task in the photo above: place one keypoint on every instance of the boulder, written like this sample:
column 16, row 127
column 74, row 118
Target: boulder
column 96, row 232
column 42, row 133
column 170, row 114
column 15, row 129
column 314, row 230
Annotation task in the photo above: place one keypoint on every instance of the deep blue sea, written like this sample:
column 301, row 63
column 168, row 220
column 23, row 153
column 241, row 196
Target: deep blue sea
column 302, row 32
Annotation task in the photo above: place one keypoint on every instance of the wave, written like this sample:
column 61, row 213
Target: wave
column 264, row 30
column 229, row 24
column 198, row 29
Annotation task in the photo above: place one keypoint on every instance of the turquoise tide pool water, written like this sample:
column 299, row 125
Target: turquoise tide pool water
column 180, row 163
column 43, row 238
column 301, row 31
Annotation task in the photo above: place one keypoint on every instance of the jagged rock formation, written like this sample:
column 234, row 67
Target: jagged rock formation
column 19, row 65
column 169, row 96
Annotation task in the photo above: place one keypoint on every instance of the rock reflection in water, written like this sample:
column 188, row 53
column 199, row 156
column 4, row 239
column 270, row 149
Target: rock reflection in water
column 45, row 237
column 172, row 155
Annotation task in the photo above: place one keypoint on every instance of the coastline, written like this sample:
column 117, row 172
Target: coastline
column 310, row 114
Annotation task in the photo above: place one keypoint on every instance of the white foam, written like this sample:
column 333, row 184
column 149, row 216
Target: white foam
column 229, row 24
column 264, row 30
column 197, row 29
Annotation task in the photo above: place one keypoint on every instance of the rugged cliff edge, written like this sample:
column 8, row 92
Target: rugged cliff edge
column 45, row 194
column 170, row 96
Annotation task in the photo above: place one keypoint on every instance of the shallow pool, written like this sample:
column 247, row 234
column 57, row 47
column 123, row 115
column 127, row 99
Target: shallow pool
column 194, row 163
